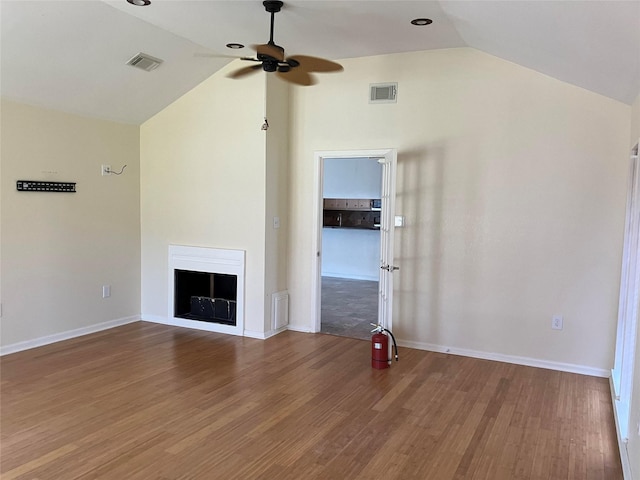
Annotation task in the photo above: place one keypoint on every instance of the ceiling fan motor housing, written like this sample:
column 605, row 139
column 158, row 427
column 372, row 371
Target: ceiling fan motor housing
column 269, row 66
column 272, row 6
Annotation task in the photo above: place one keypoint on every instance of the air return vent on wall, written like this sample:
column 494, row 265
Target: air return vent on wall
column 144, row 62
column 383, row 93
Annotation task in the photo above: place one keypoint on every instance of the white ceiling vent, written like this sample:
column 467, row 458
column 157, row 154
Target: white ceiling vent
column 144, row 62
column 383, row 93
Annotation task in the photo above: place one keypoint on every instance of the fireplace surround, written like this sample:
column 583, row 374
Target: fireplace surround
column 206, row 288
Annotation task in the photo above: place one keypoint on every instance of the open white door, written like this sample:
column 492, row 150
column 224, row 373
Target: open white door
column 387, row 224
column 388, row 159
column 629, row 305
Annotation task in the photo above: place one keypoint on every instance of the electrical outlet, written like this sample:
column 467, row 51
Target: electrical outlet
column 106, row 291
column 105, row 170
column 557, row 322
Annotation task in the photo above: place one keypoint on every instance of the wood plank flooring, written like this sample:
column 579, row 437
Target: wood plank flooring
column 147, row 401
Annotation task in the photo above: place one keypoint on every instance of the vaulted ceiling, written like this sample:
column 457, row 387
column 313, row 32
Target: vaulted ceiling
column 71, row 55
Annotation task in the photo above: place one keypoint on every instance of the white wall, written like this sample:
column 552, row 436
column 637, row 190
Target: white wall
column 204, row 184
column 351, row 253
column 58, row 249
column 513, row 188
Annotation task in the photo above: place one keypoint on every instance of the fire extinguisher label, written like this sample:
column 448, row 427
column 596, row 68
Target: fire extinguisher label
column 377, row 346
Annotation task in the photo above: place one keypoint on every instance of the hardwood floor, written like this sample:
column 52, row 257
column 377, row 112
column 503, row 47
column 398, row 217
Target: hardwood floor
column 147, row 401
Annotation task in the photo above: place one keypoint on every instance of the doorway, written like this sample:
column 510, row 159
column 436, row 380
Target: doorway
column 350, row 262
column 355, row 197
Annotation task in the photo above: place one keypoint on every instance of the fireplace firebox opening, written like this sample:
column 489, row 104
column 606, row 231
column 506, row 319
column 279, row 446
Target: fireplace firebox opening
column 205, row 296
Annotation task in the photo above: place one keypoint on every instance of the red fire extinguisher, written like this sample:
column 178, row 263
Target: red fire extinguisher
column 380, row 347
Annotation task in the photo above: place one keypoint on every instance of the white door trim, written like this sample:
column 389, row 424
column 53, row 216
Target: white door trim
column 390, row 154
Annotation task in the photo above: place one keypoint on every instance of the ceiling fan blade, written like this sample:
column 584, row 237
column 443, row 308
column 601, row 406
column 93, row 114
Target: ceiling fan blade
column 270, row 51
column 316, row 64
column 297, row 76
column 245, row 71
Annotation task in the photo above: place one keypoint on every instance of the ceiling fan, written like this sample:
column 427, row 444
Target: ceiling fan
column 270, row 58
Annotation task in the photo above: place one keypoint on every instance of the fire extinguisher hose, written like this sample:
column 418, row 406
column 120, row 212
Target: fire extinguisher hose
column 395, row 345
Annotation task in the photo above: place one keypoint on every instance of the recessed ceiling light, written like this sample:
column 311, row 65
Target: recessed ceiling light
column 235, row 46
column 139, row 3
column 421, row 22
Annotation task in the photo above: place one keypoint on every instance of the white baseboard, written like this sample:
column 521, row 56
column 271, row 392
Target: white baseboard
column 153, row 318
column 69, row 334
column 207, row 327
column 265, row 335
column 301, row 329
column 499, row 357
column 196, row 325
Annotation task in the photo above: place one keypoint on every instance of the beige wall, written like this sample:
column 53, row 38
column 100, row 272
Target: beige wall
column 204, row 175
column 513, row 188
column 59, row 249
column 277, row 197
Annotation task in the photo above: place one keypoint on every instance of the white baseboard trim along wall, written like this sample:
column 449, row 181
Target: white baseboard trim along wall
column 265, row 335
column 295, row 328
column 498, row 357
column 208, row 327
column 530, row 362
column 69, row 334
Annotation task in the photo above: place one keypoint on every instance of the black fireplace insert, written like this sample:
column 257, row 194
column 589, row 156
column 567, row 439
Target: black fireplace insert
column 205, row 296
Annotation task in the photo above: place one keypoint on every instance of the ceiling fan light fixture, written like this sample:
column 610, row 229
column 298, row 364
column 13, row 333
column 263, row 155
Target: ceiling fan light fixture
column 235, row 46
column 269, row 66
column 139, row 3
column 421, row 22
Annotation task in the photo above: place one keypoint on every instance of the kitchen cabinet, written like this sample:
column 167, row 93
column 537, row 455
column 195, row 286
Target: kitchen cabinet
column 351, row 213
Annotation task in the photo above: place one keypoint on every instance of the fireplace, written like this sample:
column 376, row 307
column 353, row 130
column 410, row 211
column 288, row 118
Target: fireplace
column 205, row 296
column 206, row 288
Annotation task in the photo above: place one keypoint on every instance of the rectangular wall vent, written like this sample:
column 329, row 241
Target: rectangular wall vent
column 383, row 93
column 144, row 62
column 279, row 310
